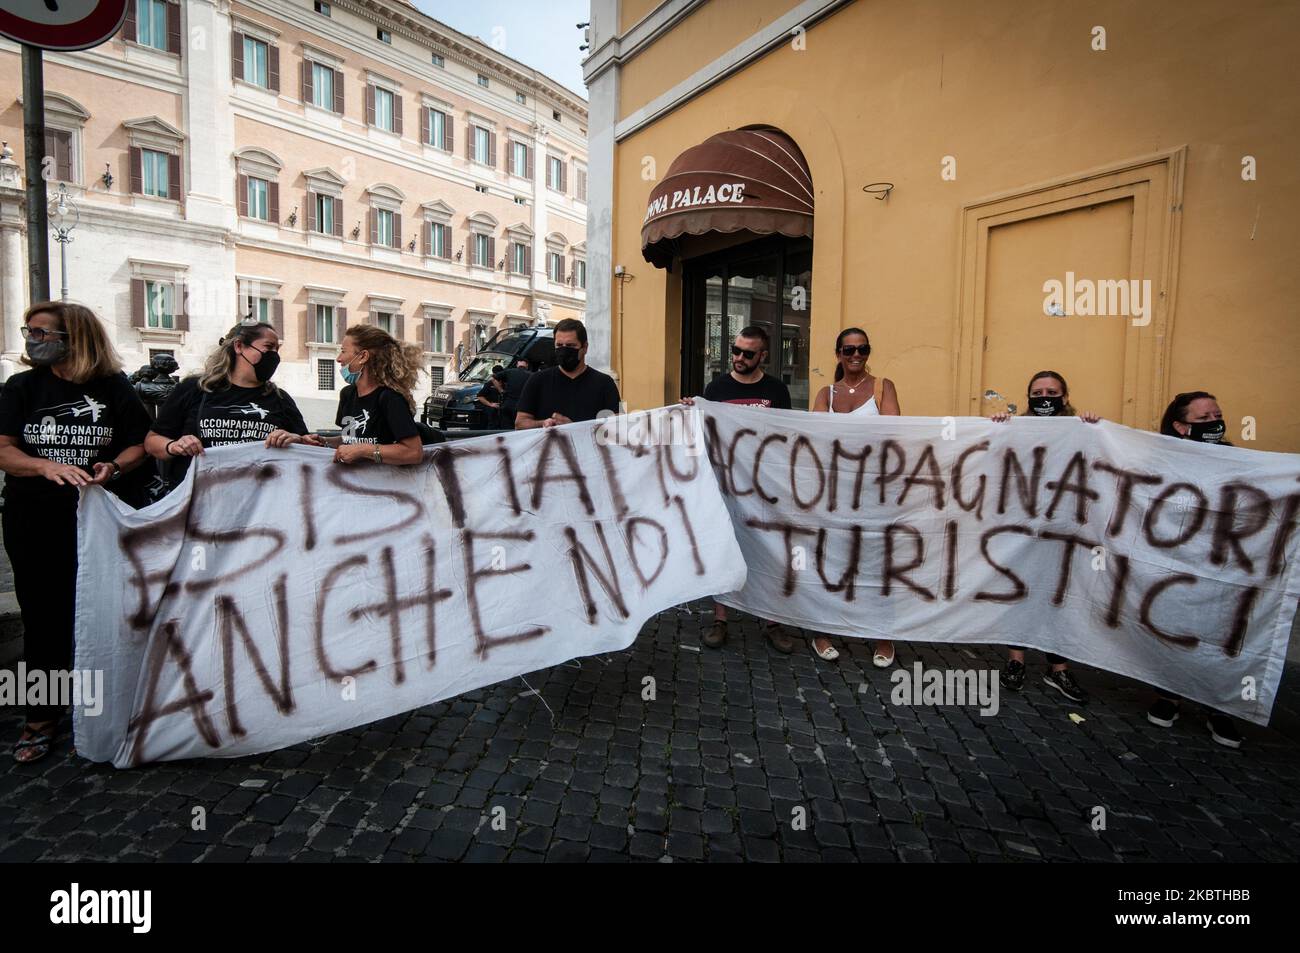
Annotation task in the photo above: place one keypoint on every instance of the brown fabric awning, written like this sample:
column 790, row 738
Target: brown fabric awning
column 753, row 180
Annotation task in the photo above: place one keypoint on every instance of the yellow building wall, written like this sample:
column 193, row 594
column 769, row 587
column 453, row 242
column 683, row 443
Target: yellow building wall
column 1016, row 95
column 706, row 33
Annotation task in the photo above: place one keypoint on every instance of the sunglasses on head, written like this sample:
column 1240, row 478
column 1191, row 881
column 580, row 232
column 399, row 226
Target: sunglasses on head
column 738, row 351
column 849, row 349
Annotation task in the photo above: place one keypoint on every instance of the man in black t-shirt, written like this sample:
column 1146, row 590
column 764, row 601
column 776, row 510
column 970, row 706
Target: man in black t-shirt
column 747, row 384
column 516, row 378
column 570, row 391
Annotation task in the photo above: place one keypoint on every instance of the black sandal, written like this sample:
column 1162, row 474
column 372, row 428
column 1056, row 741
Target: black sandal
column 40, row 741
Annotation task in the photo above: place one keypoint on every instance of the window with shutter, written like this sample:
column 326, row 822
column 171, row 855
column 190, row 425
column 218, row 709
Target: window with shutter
column 152, row 24
column 154, row 172
column 255, row 59
column 174, row 28
column 58, row 154
column 273, row 69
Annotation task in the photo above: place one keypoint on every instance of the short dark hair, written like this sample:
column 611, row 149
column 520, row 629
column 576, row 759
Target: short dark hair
column 574, row 325
column 754, row 331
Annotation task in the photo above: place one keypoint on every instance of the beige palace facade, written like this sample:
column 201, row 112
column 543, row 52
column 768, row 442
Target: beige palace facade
column 313, row 164
column 1108, row 189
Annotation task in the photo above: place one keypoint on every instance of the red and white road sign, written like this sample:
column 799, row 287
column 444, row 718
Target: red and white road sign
column 61, row 24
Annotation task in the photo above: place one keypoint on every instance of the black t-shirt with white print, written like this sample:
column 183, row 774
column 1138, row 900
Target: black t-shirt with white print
column 76, row 424
column 381, row 417
column 225, row 417
column 229, row 416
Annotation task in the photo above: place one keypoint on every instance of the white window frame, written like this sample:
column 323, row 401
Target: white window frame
column 384, row 222
column 150, row 165
column 256, row 44
column 438, row 316
column 155, row 7
column 160, row 291
column 385, row 120
column 481, row 155
column 259, row 198
column 515, row 145
column 318, row 99
column 317, row 337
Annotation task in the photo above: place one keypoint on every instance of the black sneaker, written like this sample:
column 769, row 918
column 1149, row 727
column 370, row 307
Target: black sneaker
column 1064, row 683
column 1224, row 731
column 716, row 634
column 1163, row 712
column 1013, row 675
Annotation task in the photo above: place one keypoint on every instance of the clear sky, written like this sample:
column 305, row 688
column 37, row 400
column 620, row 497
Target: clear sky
column 542, row 34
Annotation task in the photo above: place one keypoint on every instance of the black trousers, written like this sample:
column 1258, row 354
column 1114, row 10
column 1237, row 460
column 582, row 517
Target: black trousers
column 41, row 540
column 1052, row 657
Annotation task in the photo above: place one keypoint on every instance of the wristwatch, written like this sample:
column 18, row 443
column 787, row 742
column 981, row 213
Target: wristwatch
column 117, row 469
column 379, row 457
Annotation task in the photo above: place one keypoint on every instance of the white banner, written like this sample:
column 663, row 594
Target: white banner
column 276, row 596
column 1171, row 562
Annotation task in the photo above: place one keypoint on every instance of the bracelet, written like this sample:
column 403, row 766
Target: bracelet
column 117, row 469
column 168, row 449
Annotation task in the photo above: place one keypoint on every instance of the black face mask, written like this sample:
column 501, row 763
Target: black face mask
column 1046, row 406
column 568, row 358
column 265, row 367
column 1208, row 431
column 43, row 353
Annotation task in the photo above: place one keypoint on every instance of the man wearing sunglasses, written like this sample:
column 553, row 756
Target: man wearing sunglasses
column 747, row 384
column 569, row 391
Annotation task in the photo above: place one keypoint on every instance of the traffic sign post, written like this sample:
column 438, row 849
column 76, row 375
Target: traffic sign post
column 48, row 25
column 38, row 243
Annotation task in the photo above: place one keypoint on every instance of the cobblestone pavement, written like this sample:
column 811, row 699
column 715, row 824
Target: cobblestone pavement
column 713, row 768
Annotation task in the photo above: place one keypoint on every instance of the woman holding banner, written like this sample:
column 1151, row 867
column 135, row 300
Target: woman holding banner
column 231, row 402
column 1194, row 416
column 71, row 421
column 1048, row 396
column 376, row 409
column 856, row 391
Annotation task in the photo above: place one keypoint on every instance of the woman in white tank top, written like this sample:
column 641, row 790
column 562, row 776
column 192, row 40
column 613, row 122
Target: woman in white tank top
column 855, row 391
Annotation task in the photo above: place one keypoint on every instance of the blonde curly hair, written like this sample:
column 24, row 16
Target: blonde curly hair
column 393, row 364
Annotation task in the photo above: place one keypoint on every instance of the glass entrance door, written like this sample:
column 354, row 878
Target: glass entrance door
column 765, row 283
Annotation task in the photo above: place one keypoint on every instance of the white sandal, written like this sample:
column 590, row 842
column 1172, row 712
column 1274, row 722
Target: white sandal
column 883, row 661
column 830, row 654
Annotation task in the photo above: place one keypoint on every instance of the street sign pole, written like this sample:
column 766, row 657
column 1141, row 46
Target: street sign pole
column 38, row 241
